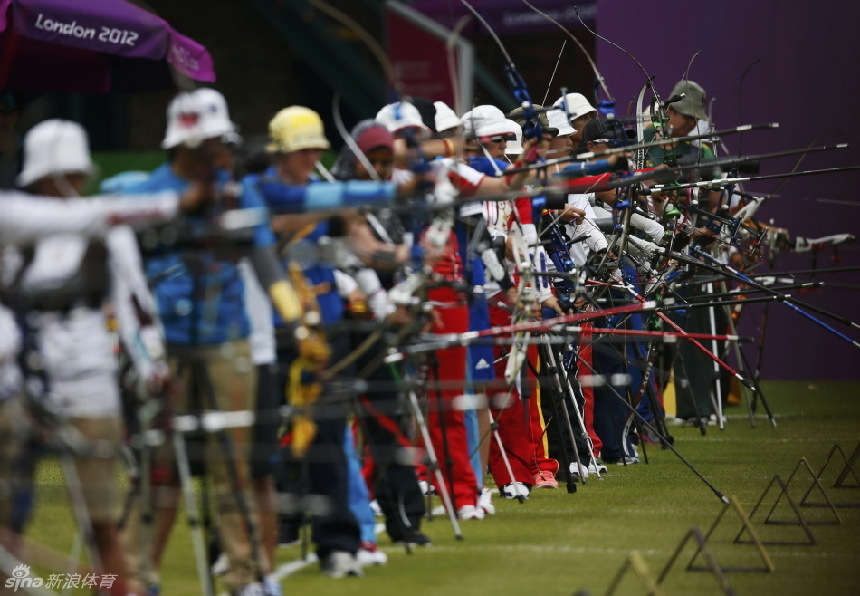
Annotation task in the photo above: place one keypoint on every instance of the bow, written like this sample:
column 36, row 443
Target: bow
column 600, row 80
column 526, row 295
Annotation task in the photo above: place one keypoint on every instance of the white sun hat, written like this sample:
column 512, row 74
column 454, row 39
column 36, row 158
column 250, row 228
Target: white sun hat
column 558, row 119
column 515, row 148
column 54, row 147
column 446, row 118
column 193, row 117
column 487, row 121
column 577, row 105
column 401, row 115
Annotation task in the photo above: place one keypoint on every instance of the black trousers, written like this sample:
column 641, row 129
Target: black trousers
column 383, row 417
column 320, row 479
column 694, row 370
column 553, row 392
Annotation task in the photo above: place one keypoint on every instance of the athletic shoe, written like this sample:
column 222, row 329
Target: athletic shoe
column 695, row 422
column 545, row 480
column 574, row 469
column 338, row 564
column 414, row 539
column 377, row 510
column 714, row 420
column 427, row 489
column 628, row 461
column 485, row 501
column 221, row 565
column 369, row 554
column 470, row 512
column 514, row 490
column 597, row 468
column 273, row 588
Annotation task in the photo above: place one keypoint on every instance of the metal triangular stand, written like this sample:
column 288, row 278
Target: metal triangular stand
column 815, row 483
column 849, row 469
column 735, row 505
column 640, row 569
column 810, row 539
column 695, row 534
column 842, row 477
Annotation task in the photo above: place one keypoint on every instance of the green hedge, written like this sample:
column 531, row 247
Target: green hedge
column 110, row 163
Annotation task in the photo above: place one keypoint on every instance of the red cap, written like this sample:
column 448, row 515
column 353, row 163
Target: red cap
column 374, row 138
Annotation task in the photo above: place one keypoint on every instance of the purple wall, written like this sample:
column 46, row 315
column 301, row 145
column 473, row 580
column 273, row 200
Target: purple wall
column 807, row 80
column 508, row 16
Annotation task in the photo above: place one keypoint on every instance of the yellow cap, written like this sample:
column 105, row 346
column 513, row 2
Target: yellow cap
column 296, row 128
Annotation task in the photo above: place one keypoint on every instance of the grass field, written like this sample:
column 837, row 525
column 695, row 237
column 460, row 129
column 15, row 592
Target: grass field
column 557, row 543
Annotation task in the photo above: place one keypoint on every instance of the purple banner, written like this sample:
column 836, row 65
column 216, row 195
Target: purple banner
column 112, row 27
column 508, row 16
column 190, row 58
column 109, row 27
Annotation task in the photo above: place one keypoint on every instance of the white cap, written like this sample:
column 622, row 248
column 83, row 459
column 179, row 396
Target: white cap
column 577, row 105
column 54, row 147
column 515, row 147
column 513, row 128
column 193, row 117
column 400, row 115
column 558, row 119
column 486, row 121
column 446, row 118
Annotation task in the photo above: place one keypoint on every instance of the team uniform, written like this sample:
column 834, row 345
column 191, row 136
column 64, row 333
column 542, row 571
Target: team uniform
column 201, row 304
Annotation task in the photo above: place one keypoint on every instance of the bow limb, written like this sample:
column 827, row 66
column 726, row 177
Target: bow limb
column 640, row 125
column 531, row 130
column 365, row 36
column 532, row 127
column 578, row 43
column 526, row 297
column 648, row 77
column 379, row 54
column 460, row 103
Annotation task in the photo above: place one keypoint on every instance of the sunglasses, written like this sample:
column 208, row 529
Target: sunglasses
column 499, row 138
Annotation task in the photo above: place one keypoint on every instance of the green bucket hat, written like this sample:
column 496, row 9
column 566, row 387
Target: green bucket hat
column 693, row 103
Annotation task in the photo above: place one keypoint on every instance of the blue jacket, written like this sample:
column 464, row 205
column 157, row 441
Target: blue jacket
column 316, row 273
column 200, row 296
column 487, row 166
